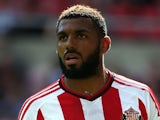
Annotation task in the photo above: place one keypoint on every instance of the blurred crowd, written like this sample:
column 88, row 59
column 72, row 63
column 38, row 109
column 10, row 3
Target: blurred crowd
column 129, row 18
column 132, row 20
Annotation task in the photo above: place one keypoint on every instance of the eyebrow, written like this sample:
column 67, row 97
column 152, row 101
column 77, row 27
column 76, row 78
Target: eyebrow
column 60, row 33
column 76, row 31
column 82, row 30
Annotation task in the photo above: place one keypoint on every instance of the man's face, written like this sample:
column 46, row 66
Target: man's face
column 78, row 48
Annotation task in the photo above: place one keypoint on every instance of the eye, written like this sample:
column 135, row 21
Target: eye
column 81, row 36
column 62, row 38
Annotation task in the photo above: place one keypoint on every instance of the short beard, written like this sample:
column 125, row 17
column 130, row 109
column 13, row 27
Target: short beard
column 87, row 69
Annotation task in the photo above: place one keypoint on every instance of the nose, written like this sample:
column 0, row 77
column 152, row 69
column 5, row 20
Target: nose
column 71, row 42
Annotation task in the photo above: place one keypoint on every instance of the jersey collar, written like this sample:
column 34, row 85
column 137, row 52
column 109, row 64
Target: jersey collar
column 99, row 93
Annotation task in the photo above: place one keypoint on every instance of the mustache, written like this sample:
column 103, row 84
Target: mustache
column 71, row 51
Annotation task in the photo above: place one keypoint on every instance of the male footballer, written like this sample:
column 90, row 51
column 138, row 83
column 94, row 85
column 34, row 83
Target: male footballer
column 87, row 90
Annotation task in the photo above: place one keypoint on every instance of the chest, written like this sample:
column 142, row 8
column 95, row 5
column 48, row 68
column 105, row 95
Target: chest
column 109, row 106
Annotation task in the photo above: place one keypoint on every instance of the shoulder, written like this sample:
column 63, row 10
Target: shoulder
column 134, row 89
column 124, row 81
column 34, row 102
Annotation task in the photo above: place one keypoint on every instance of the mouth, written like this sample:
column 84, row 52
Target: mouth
column 71, row 58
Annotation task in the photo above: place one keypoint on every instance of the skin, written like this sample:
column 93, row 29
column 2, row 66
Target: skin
column 81, row 35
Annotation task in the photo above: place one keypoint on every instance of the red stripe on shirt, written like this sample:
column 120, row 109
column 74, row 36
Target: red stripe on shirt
column 143, row 110
column 71, row 110
column 40, row 116
column 112, row 105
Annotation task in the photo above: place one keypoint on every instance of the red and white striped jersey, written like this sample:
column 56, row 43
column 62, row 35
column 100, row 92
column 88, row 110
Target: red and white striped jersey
column 120, row 99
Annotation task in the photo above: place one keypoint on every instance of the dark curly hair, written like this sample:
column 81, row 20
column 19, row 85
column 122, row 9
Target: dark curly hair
column 77, row 11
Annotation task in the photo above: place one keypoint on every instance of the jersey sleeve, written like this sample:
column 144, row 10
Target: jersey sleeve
column 154, row 107
column 28, row 112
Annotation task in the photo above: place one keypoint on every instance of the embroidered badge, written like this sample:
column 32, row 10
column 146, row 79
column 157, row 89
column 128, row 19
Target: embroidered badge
column 131, row 114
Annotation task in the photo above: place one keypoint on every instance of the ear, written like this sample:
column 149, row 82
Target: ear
column 105, row 44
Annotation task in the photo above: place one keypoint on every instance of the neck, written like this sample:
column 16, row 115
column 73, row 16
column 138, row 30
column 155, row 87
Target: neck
column 87, row 86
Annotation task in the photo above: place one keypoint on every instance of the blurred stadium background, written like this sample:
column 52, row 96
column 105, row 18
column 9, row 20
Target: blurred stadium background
column 28, row 61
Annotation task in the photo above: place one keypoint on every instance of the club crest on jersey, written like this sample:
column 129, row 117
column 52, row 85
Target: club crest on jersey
column 131, row 114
